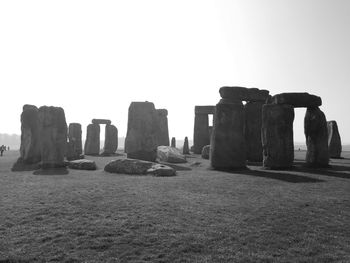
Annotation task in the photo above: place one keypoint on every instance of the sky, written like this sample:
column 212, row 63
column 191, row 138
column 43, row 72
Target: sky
column 93, row 58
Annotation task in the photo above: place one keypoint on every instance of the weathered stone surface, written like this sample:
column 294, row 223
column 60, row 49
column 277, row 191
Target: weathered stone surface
column 243, row 94
column 53, row 136
column 30, row 154
column 185, row 148
column 138, row 167
column 74, row 147
column 208, row 109
column 92, row 143
column 101, row 121
column 334, row 141
column 170, row 155
column 297, row 99
column 173, row 142
column 316, row 133
column 111, row 140
column 201, row 132
column 141, row 139
column 82, row 164
column 206, row 152
column 163, row 132
column 253, row 122
column 228, row 149
column 277, row 136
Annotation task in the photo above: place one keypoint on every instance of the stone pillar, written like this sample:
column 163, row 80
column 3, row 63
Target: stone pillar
column 173, row 142
column 253, row 122
column 228, row 150
column 186, row 149
column 163, row 133
column 92, row 143
column 111, row 140
column 334, row 141
column 53, row 136
column 75, row 147
column 316, row 133
column 277, row 136
column 141, row 139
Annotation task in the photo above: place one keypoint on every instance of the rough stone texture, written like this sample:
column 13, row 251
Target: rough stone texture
column 163, row 132
column 206, row 152
column 74, row 147
column 30, row 154
column 138, row 167
column 141, row 139
column 201, row 132
column 92, row 143
column 173, row 142
column 228, row 149
column 111, row 140
column 170, row 155
column 240, row 93
column 297, row 100
column 185, row 148
column 208, row 109
column 316, row 133
column 82, row 164
column 101, row 121
column 253, row 122
column 53, row 136
column 277, row 136
column 334, row 141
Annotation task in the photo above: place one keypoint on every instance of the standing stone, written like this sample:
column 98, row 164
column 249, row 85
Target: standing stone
column 277, row 136
column 111, row 140
column 334, row 141
column 201, row 135
column 316, row 133
column 92, row 143
column 141, row 139
column 75, row 147
column 30, row 143
column 253, row 122
column 186, row 149
column 173, row 142
column 53, row 136
column 228, row 149
column 163, row 132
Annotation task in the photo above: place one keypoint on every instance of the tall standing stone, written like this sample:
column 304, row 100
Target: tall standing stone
column 253, row 122
column 75, row 147
column 173, row 142
column 277, row 135
column 111, row 140
column 186, row 148
column 316, row 133
column 201, row 134
column 163, row 132
column 53, row 136
column 141, row 140
column 228, row 149
column 334, row 141
column 92, row 143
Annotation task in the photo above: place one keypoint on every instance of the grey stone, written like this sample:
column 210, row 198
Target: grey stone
column 111, row 140
column 173, row 142
column 297, row 99
column 243, row 94
column 92, row 143
column 277, row 136
column 75, row 147
column 334, row 141
column 206, row 152
column 207, row 109
column 185, row 148
column 170, row 154
column 163, row 132
column 101, row 121
column 82, row 164
column 161, row 170
column 201, row 132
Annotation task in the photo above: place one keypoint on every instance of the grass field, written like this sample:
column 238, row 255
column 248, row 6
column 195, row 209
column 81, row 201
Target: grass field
column 200, row 215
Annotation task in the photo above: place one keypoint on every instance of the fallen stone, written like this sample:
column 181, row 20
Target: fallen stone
column 334, row 141
column 101, row 121
column 170, row 154
column 161, row 170
column 82, row 164
column 297, row 100
column 205, row 152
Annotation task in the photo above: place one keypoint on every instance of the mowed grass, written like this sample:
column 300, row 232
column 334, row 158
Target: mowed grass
column 200, row 215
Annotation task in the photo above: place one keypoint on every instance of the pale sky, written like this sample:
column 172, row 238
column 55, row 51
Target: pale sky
column 93, row 58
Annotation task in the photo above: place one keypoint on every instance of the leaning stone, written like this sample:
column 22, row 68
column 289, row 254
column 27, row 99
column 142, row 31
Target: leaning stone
column 163, row 131
column 297, row 100
column 170, row 155
column 185, row 148
column 316, row 134
column 205, row 152
column 141, row 139
column 277, row 136
column 92, row 143
column 101, row 121
column 161, row 170
column 334, row 141
column 53, row 136
column 82, row 164
column 111, row 140
column 74, row 147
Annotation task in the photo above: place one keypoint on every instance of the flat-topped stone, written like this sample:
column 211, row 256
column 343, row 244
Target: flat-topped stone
column 297, row 99
column 204, row 109
column 243, row 94
column 101, row 121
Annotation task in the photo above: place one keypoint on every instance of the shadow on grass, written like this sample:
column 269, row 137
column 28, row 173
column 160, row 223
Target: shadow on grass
column 338, row 171
column 176, row 167
column 52, row 171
